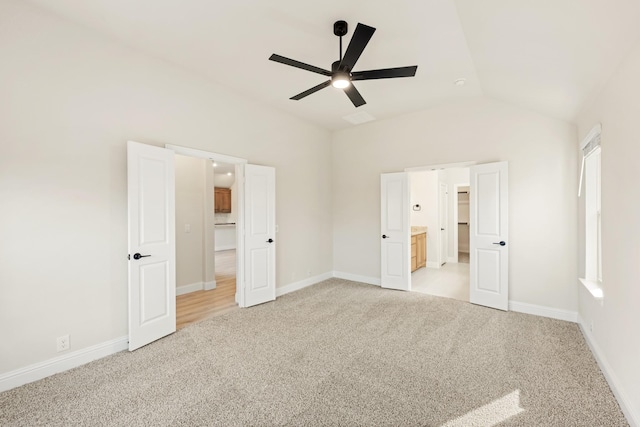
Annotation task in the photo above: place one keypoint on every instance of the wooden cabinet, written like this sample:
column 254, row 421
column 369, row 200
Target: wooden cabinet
column 421, row 250
column 222, row 200
column 414, row 253
column 418, row 251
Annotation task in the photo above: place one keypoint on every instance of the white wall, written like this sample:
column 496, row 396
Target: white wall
column 617, row 321
column 190, row 201
column 69, row 101
column 542, row 187
column 424, row 191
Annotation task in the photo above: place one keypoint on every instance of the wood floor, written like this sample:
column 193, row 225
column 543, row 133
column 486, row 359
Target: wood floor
column 199, row 305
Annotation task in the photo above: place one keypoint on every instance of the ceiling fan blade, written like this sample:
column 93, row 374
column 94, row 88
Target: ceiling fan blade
column 298, row 64
column 310, row 91
column 354, row 95
column 386, row 73
column 358, row 42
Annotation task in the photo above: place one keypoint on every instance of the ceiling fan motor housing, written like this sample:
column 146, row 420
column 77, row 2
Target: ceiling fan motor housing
column 340, row 28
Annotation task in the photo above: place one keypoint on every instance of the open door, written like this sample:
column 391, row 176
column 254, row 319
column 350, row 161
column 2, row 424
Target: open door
column 152, row 269
column 259, row 244
column 395, row 231
column 489, row 235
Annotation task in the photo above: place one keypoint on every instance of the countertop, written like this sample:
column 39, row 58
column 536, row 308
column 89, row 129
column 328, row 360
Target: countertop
column 418, row 229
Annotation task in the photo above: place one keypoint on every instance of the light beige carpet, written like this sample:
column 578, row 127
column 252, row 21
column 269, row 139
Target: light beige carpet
column 337, row 353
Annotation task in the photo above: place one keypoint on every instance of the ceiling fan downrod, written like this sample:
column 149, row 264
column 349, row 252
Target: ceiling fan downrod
column 340, row 28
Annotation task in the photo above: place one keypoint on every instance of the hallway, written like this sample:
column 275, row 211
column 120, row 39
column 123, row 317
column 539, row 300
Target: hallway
column 199, row 305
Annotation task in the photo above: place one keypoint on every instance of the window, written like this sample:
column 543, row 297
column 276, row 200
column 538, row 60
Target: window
column 591, row 167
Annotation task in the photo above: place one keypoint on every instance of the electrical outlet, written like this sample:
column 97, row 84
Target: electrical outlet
column 309, row 273
column 591, row 326
column 62, row 343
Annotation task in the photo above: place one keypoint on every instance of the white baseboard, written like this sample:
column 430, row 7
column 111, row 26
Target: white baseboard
column 433, row 264
column 292, row 287
column 614, row 383
column 224, row 247
column 539, row 310
column 209, row 285
column 185, row 289
column 58, row 364
column 356, row 278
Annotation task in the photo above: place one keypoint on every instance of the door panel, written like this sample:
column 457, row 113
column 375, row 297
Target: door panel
column 151, row 216
column 395, row 226
column 259, row 239
column 153, row 292
column 489, row 235
column 488, row 270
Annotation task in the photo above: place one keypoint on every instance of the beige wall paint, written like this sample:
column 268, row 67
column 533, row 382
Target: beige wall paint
column 542, row 187
column 69, row 101
column 190, row 200
column 617, row 321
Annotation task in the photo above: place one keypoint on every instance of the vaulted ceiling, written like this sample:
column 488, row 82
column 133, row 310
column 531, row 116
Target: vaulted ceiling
column 551, row 56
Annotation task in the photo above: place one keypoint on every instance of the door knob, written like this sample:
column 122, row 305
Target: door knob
column 270, row 241
column 384, row 236
column 138, row 256
column 502, row 243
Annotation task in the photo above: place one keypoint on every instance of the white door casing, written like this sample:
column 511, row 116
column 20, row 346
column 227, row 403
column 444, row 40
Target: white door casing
column 489, row 235
column 152, row 265
column 443, row 205
column 259, row 243
column 395, row 231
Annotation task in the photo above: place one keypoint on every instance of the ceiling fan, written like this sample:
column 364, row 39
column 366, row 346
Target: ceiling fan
column 342, row 74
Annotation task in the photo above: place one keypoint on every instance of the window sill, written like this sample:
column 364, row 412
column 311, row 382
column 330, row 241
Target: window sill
column 594, row 288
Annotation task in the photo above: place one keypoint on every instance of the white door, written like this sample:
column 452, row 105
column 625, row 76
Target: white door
column 489, row 235
column 152, row 269
column 395, row 231
column 259, row 243
column 444, row 217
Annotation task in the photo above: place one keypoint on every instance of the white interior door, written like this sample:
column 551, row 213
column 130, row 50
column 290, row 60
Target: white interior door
column 444, row 221
column 395, row 231
column 489, row 235
column 152, row 268
column 259, row 236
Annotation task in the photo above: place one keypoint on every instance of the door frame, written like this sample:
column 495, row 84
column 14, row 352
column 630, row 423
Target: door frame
column 443, row 243
column 239, row 171
column 456, row 187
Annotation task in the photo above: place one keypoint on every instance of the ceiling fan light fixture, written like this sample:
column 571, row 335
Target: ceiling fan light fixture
column 340, row 80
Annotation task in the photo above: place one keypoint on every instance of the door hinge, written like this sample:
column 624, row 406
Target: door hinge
column 129, row 257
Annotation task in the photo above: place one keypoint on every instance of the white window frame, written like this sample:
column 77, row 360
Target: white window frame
column 591, row 172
